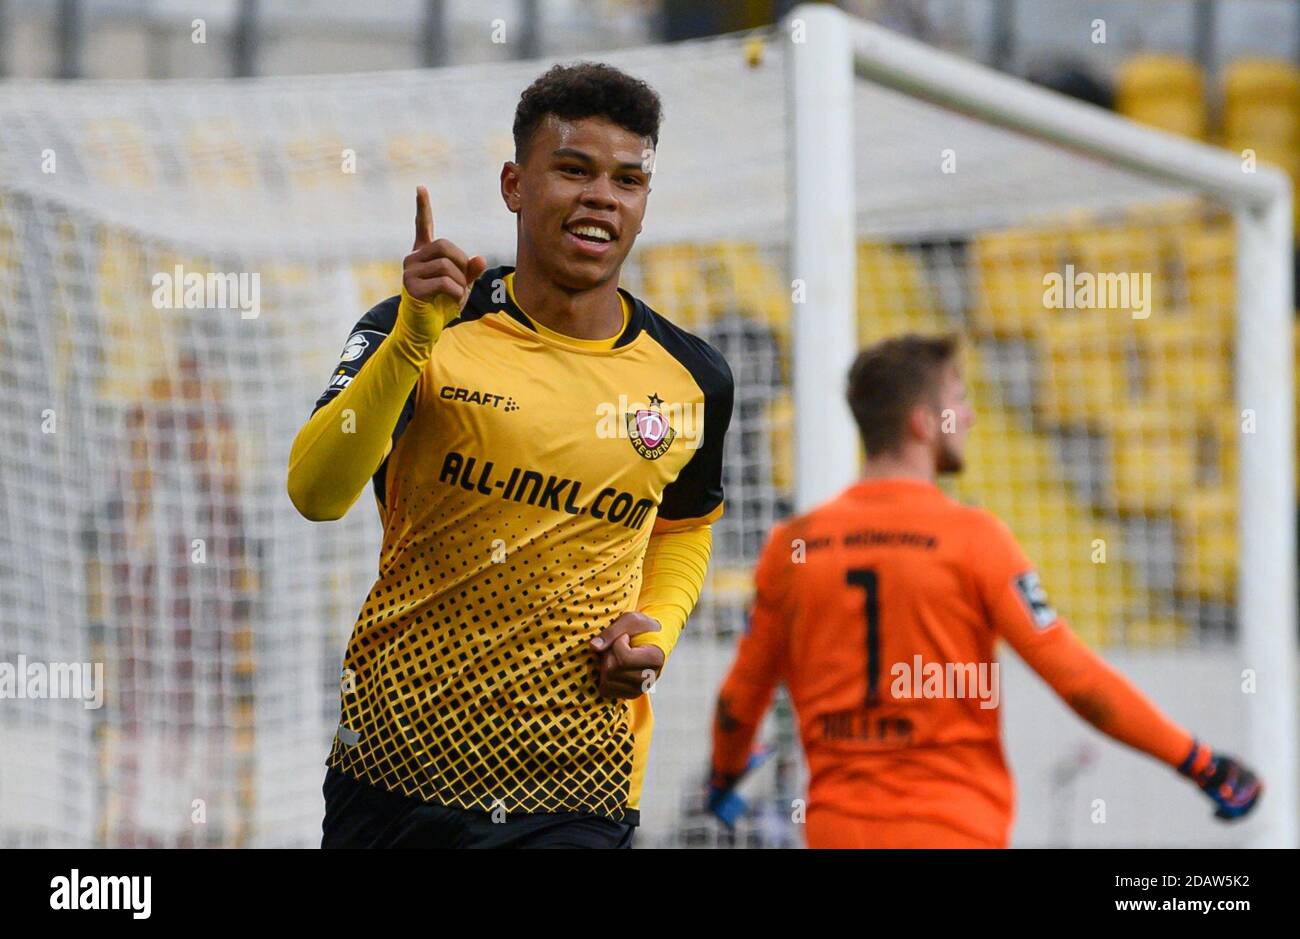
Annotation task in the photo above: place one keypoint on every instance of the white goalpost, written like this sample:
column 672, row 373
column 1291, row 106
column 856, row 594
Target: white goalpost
column 828, row 51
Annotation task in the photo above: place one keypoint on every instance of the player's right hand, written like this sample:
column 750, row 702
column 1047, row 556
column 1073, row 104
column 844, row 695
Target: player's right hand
column 1230, row 784
column 436, row 275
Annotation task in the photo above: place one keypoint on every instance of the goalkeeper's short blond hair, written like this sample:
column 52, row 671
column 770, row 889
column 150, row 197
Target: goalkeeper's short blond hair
column 891, row 377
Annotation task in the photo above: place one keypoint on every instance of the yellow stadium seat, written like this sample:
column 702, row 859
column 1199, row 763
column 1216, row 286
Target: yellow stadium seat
column 894, row 295
column 376, row 280
column 1009, row 268
column 1017, row 475
column 418, row 153
column 701, row 282
column 731, row 585
column 1153, row 459
column 218, row 158
column 119, row 152
column 1135, row 259
column 1261, row 103
column 1261, row 112
column 123, row 295
column 1188, row 361
column 1207, row 541
column 1115, row 247
column 742, row 279
column 1218, row 438
column 1164, row 91
column 316, row 162
column 669, row 280
column 1155, row 631
column 1083, row 370
column 1209, row 255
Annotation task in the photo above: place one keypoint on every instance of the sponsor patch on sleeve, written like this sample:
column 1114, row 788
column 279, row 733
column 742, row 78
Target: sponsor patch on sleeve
column 355, row 347
column 361, row 345
column 1035, row 599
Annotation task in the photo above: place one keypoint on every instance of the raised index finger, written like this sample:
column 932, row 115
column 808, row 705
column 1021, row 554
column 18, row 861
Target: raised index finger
column 423, row 218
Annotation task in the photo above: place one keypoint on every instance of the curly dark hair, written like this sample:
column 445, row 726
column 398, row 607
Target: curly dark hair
column 588, row 89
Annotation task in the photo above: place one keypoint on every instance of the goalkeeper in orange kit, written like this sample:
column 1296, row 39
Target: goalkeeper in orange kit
column 879, row 610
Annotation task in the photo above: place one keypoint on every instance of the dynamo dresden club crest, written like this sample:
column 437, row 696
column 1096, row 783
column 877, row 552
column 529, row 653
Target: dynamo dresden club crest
column 650, row 432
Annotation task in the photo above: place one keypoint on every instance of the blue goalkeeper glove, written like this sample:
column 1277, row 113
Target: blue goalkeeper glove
column 724, row 802
column 1231, row 786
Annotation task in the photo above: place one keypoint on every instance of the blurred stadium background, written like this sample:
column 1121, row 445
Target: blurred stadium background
column 173, row 425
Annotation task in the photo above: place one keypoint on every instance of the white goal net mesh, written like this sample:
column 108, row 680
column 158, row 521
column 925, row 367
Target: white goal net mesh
column 144, row 523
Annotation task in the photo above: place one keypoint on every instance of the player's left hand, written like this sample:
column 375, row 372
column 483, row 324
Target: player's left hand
column 627, row 671
column 1231, row 785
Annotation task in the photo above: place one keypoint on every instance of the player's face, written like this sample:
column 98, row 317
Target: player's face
column 580, row 195
column 956, row 417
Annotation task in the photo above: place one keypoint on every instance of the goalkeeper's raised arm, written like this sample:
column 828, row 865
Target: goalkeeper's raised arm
column 1101, row 695
column 347, row 438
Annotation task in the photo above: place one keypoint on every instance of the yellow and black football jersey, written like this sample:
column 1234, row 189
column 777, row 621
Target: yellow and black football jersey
column 526, row 475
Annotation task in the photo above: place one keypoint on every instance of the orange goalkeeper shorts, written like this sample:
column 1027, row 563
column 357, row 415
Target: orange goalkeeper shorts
column 830, row 829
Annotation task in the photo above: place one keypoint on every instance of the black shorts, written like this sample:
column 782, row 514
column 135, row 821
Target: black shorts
column 359, row 815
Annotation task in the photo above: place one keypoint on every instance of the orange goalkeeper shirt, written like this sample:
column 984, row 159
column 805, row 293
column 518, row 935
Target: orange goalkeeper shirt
column 879, row 610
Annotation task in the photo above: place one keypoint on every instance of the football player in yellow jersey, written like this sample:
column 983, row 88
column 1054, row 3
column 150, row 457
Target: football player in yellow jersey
column 546, row 456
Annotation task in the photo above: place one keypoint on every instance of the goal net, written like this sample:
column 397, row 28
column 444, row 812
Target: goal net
column 181, row 262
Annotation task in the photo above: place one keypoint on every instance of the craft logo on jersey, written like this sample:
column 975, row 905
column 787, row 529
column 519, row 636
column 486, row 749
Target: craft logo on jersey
column 649, row 430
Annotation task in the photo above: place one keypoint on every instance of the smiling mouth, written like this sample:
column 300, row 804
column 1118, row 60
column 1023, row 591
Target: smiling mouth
column 592, row 234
